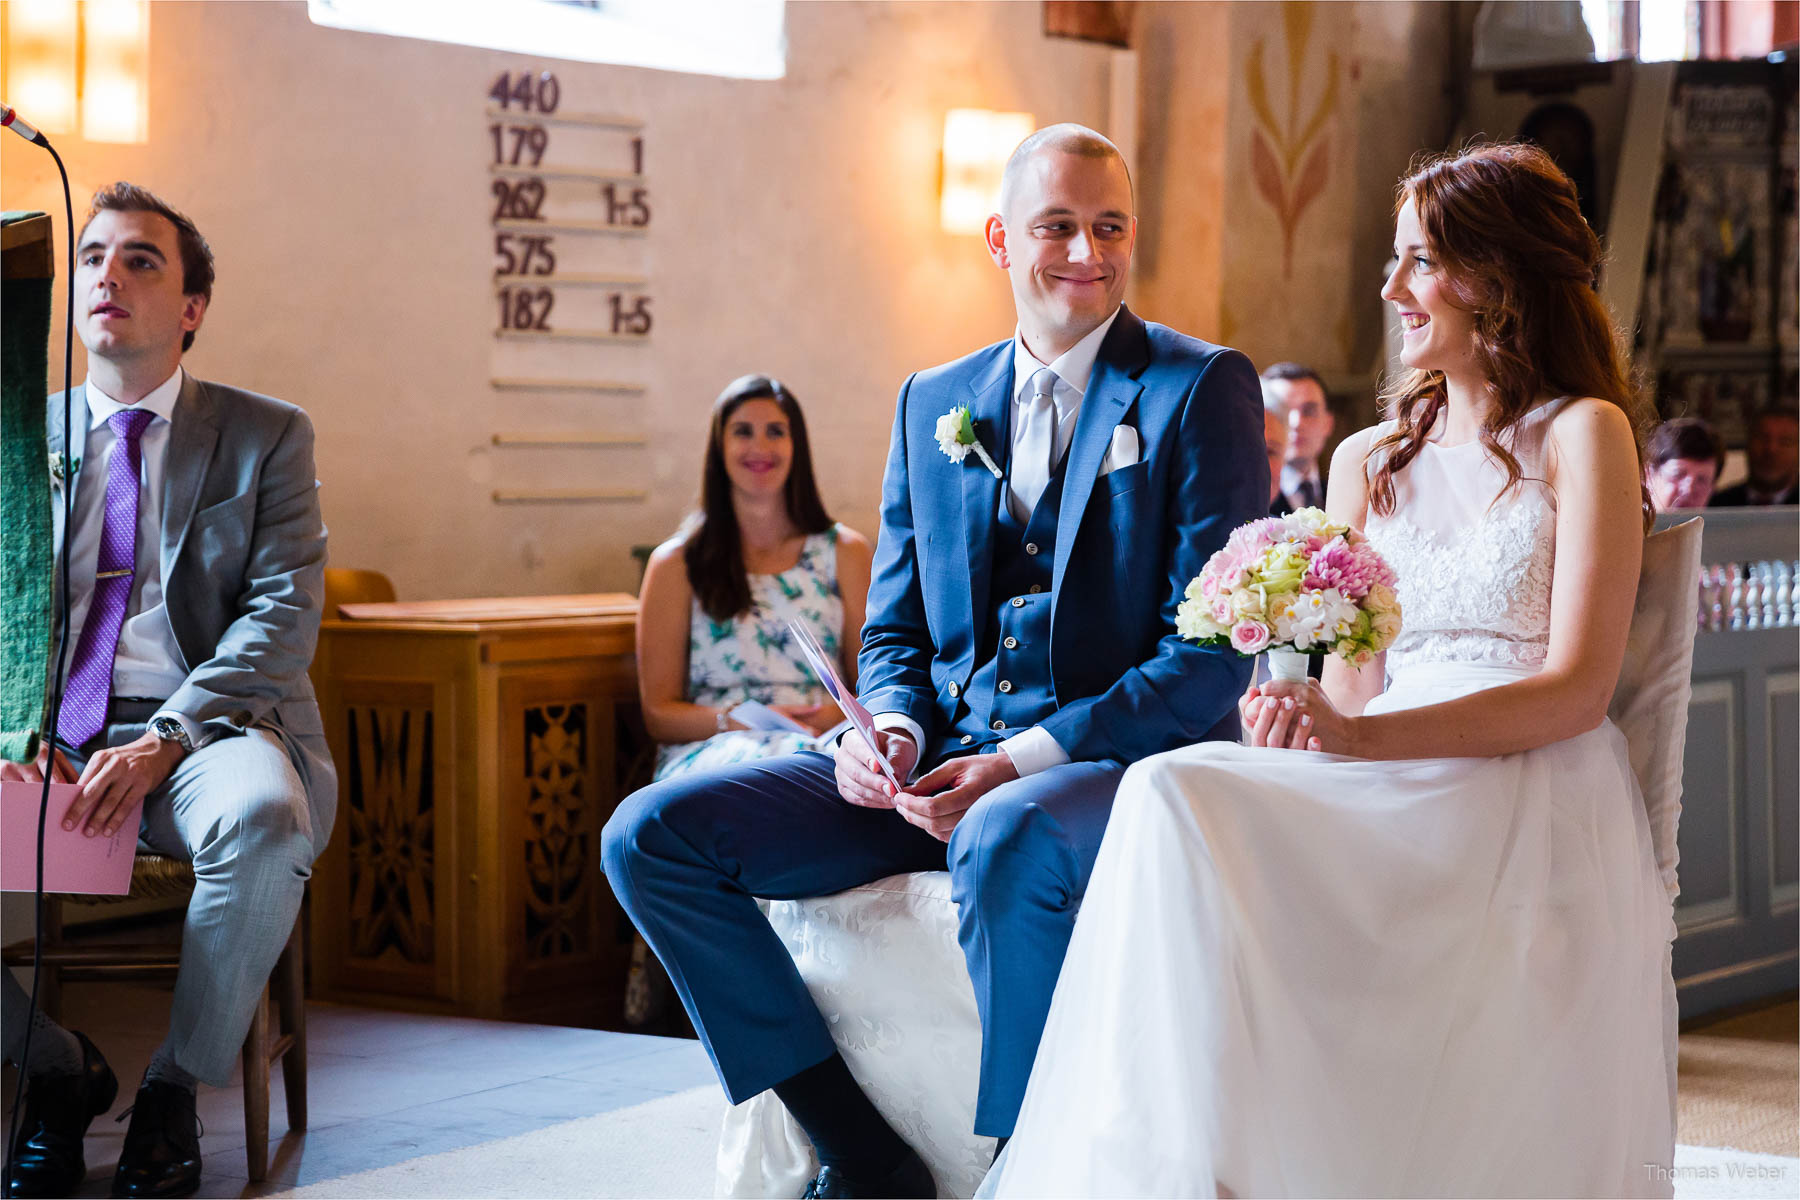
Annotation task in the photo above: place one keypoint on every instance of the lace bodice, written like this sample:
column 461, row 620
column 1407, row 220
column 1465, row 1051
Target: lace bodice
column 1474, row 566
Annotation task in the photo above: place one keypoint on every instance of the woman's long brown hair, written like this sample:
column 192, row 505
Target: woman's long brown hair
column 714, row 547
column 1506, row 225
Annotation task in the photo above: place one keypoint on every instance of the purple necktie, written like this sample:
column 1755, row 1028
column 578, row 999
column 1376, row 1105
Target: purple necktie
column 90, row 680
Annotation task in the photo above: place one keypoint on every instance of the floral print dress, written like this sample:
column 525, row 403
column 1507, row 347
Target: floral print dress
column 752, row 657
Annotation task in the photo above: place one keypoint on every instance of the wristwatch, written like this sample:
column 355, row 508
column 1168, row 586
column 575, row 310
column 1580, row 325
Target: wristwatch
column 170, row 730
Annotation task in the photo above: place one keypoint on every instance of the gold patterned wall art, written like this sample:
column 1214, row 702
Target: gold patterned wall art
column 1290, row 154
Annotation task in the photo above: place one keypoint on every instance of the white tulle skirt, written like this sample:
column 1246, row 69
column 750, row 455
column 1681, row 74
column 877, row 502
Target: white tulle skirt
column 1302, row 975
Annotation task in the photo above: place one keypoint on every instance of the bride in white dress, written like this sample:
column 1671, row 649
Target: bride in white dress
column 1422, row 952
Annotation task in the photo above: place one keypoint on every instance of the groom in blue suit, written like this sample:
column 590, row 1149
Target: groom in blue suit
column 1019, row 651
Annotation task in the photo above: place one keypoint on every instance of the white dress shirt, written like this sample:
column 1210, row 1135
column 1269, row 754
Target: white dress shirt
column 148, row 661
column 1033, row 750
column 1294, row 473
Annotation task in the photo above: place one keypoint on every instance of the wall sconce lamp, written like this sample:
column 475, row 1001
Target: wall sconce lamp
column 68, row 66
column 977, row 143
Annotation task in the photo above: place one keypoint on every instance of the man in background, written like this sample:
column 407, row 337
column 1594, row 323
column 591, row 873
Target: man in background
column 1275, row 443
column 1299, row 390
column 1681, row 463
column 1293, row 399
column 196, row 580
column 1773, row 456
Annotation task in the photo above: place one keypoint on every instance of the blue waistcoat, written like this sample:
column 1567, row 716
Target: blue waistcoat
column 1010, row 689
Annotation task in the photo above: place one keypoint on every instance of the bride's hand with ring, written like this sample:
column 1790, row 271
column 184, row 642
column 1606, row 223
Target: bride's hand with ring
column 1283, row 716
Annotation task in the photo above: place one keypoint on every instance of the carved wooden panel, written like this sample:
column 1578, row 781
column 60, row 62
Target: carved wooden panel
column 390, row 829
column 557, row 790
column 562, row 864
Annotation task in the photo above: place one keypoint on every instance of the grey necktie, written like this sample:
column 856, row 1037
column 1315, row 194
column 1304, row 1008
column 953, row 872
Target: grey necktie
column 1035, row 444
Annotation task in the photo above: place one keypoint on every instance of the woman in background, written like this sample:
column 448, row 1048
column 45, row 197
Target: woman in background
column 713, row 612
column 717, row 597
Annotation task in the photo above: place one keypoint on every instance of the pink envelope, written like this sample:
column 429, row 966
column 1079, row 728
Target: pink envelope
column 73, row 862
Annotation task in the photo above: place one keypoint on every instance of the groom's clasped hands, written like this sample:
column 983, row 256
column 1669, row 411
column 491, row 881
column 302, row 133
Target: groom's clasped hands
column 937, row 800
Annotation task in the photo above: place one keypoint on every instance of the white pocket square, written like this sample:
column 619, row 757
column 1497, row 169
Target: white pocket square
column 1123, row 451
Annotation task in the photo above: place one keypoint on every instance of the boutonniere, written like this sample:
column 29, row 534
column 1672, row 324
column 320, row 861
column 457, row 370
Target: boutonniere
column 956, row 437
column 60, row 468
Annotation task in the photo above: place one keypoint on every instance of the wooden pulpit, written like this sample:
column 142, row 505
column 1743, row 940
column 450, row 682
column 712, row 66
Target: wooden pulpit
column 476, row 744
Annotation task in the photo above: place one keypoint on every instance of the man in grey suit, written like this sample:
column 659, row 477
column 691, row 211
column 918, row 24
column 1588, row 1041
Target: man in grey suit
column 196, row 580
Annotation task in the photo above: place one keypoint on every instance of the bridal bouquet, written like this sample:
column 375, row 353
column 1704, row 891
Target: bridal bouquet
column 1293, row 586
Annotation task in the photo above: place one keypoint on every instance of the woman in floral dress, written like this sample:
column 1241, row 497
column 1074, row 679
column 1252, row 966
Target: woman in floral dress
column 717, row 597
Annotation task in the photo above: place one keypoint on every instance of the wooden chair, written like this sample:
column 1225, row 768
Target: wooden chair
column 1650, row 707
column 155, row 877
column 350, row 585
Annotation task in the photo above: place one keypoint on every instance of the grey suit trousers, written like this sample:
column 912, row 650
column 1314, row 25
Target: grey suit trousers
column 235, row 808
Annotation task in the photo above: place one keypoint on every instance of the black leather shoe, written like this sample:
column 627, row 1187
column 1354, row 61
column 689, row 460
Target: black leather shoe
column 161, row 1154
column 908, row 1181
column 46, row 1158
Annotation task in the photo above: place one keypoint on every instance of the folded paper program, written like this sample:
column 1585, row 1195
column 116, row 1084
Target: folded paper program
column 73, row 862
column 858, row 716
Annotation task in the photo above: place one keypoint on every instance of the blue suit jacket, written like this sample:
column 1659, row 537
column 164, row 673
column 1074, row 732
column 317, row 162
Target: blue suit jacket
column 1127, row 544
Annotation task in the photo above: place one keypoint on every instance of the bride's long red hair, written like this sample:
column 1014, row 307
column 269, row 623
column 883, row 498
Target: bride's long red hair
column 1506, row 224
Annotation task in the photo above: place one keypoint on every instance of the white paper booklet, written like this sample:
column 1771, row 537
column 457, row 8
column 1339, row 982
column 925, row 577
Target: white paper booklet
column 753, row 714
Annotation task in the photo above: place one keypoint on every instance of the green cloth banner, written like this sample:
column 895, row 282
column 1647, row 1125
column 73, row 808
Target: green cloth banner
column 25, row 561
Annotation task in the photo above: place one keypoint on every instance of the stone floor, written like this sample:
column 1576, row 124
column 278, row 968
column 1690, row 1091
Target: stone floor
column 383, row 1087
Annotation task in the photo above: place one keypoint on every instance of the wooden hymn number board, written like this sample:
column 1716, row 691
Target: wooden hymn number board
column 571, row 210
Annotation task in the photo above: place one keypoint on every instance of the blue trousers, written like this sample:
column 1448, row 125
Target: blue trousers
column 689, row 857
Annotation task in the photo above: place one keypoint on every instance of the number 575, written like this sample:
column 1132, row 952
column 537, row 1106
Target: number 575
column 523, row 254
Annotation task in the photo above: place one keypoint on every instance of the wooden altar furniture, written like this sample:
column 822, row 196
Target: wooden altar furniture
column 475, row 743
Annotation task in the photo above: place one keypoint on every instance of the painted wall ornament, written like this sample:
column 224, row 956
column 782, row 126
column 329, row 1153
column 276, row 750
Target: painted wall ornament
column 1290, row 160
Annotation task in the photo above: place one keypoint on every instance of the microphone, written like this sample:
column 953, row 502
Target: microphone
column 10, row 119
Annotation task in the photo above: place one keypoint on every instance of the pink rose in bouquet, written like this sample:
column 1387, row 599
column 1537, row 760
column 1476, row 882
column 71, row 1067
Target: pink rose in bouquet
column 1249, row 637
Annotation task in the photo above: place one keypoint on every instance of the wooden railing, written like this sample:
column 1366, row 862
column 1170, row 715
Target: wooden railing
column 1752, row 595
column 1750, row 563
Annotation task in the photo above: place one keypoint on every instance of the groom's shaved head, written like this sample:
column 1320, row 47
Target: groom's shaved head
column 1069, row 138
column 1064, row 235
